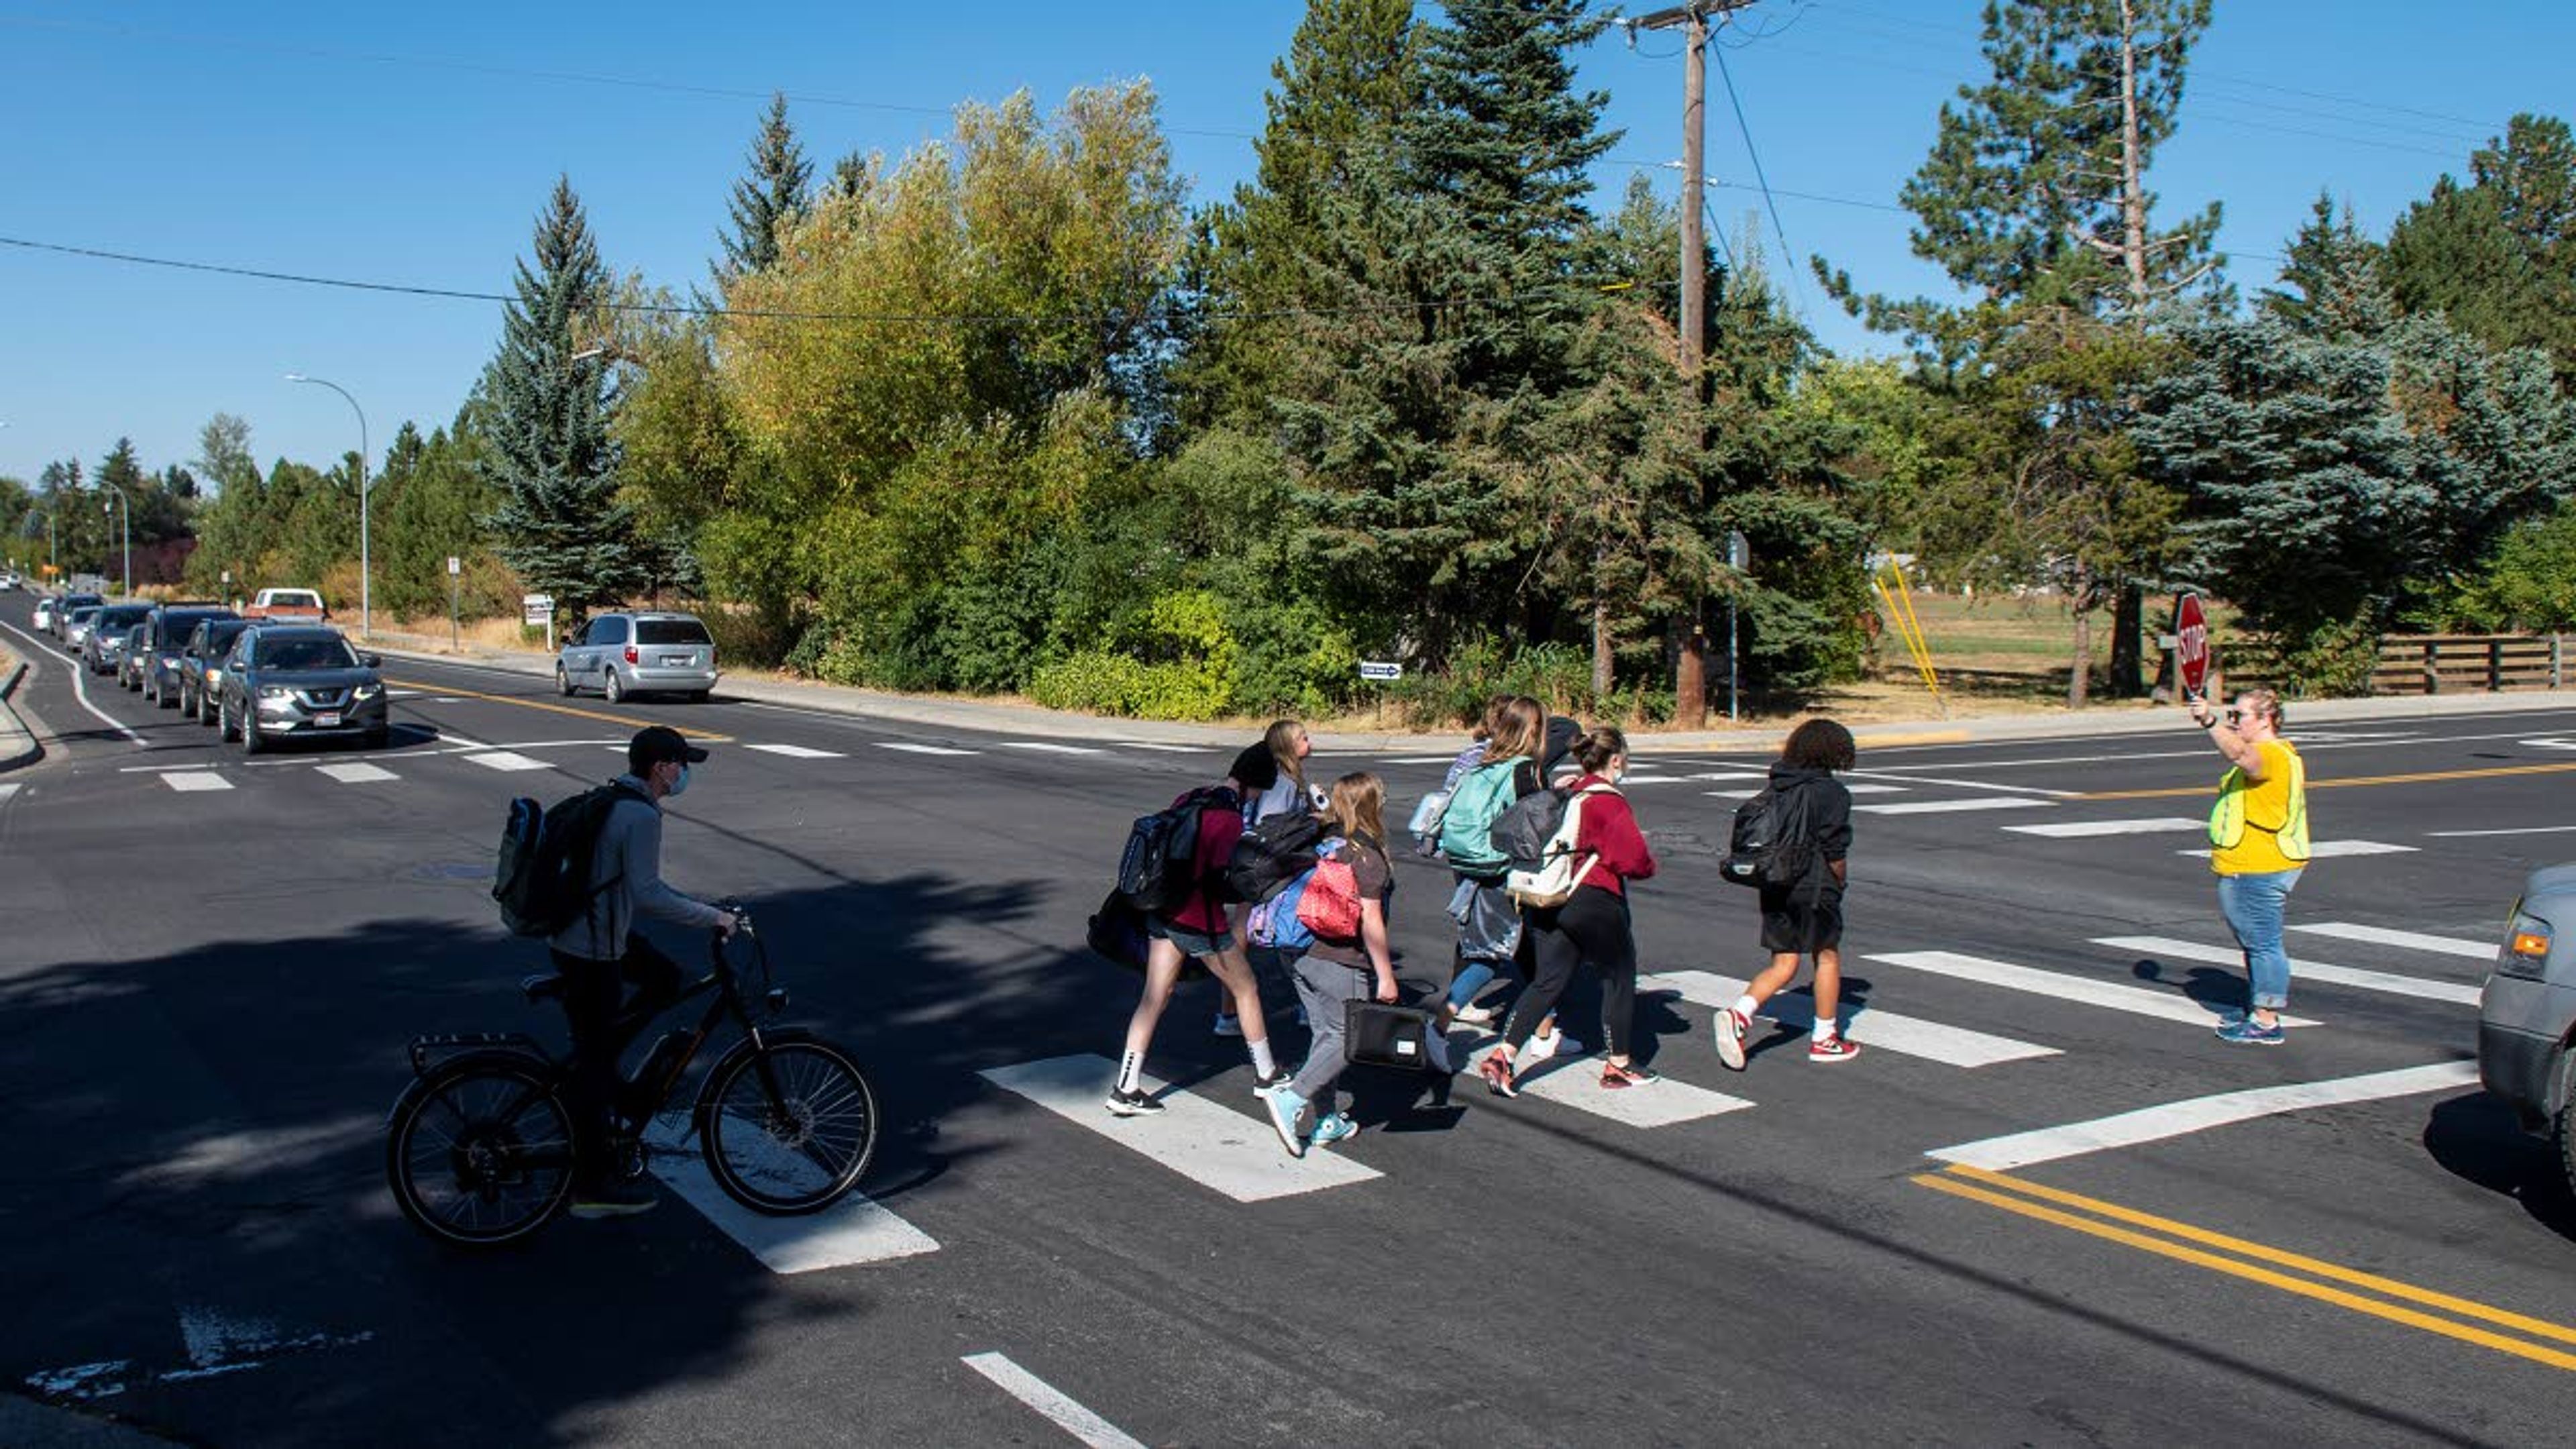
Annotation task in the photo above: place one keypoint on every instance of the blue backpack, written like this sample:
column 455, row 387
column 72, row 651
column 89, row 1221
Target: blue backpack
column 1274, row 922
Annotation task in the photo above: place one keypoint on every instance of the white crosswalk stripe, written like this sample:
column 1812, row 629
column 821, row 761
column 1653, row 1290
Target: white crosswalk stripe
column 1050, row 748
column 1944, row 807
column 1167, row 749
column 358, row 773
column 2381, row 981
column 505, row 760
column 192, row 781
column 1216, row 1147
column 2411, row 940
column 2086, row 829
column 912, row 749
column 796, row 752
column 2063, row 986
column 7, row 790
column 1904, row 1035
column 1576, row 1082
column 848, row 1233
column 2174, row 1119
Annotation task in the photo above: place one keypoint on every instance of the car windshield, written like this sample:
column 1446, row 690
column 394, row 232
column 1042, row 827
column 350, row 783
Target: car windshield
column 175, row 628
column 220, row 638
column 84, row 615
column 671, row 631
column 307, row 654
column 293, row 599
column 121, row 616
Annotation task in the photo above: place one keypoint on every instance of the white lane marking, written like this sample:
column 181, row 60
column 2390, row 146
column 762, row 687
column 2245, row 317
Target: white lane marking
column 2383, row 981
column 357, row 774
column 1731, row 777
column 797, row 752
column 447, row 699
column 2137, row 1000
column 2198, row 1114
column 1422, row 760
column 1945, row 807
column 1218, row 1148
column 1895, row 778
column 849, row 1232
column 1052, row 749
column 2459, row 946
column 2333, row 849
column 1085, row 1426
column 911, row 749
column 1905, row 1035
column 2085, row 829
column 1576, row 1082
column 504, row 760
column 80, row 682
column 6, row 791
column 2525, row 830
column 1166, row 749
column 192, row 781
column 402, row 694
column 1864, row 787
column 1629, row 780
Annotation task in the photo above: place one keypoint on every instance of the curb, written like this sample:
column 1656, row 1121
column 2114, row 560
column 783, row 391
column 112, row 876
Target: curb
column 2105, row 722
column 19, row 747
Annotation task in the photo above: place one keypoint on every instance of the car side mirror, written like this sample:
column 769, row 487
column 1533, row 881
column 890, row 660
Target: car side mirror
column 374, row 661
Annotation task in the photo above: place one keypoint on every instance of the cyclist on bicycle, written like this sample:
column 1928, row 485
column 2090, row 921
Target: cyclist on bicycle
column 601, row 953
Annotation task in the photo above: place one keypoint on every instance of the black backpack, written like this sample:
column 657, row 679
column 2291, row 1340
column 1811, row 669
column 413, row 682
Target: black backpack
column 541, row 876
column 1771, row 845
column 1271, row 854
column 1527, row 825
column 1158, row 870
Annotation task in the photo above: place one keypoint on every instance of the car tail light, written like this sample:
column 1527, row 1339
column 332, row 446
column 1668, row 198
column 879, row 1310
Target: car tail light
column 631, row 656
column 2526, row 950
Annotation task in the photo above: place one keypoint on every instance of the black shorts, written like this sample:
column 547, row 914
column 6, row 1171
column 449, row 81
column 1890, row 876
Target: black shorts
column 1803, row 919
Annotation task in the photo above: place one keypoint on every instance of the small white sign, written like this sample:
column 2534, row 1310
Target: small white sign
column 455, row 565
column 540, row 608
column 1381, row 669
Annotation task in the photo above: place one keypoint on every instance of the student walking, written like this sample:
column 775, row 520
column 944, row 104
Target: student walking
column 1804, row 918
column 1592, row 926
column 2258, row 837
column 1490, row 927
column 1333, row 974
column 1272, row 772
column 1197, row 928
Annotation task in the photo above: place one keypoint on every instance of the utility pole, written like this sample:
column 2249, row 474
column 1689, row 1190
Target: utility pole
column 1690, row 670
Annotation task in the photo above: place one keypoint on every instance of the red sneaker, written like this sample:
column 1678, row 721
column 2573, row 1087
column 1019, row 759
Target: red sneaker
column 1831, row 1049
column 1496, row 1069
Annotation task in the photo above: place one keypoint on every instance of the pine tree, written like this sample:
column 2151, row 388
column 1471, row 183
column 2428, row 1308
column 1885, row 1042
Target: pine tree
column 852, row 176
column 2331, row 284
column 2498, row 256
column 553, row 456
column 776, row 190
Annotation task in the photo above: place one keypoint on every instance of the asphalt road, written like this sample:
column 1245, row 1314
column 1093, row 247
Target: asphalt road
column 209, row 967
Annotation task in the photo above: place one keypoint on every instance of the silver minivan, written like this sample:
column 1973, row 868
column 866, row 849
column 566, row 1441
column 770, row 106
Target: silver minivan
column 639, row 653
column 2527, row 1013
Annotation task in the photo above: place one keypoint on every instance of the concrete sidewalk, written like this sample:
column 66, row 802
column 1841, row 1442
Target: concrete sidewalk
column 990, row 717
column 18, row 745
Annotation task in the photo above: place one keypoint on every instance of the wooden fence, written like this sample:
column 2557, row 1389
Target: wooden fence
column 2464, row 663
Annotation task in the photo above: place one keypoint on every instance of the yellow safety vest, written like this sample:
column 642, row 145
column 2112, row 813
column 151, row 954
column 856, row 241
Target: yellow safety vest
column 2227, row 822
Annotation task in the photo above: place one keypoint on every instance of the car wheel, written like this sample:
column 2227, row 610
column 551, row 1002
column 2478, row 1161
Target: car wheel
column 613, row 685
column 2564, row 1139
column 563, row 682
column 187, row 702
column 224, row 717
column 252, row 741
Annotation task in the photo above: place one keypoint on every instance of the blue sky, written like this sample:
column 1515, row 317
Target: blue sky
column 414, row 144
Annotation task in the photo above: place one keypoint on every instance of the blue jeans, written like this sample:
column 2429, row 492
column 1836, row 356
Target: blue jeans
column 2254, row 906
column 1472, row 978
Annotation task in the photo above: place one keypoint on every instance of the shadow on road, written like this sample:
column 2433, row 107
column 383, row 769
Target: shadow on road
column 2476, row 1139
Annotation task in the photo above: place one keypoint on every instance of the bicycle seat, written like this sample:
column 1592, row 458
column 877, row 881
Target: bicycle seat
column 548, row 987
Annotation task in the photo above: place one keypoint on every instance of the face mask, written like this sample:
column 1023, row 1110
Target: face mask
column 679, row 784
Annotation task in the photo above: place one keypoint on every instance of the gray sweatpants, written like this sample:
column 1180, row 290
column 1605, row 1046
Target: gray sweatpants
column 1326, row 989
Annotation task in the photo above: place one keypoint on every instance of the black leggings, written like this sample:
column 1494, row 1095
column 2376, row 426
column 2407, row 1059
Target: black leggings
column 1591, row 927
column 593, row 992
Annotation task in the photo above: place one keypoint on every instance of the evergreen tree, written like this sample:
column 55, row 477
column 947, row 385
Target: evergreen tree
column 776, row 191
column 553, row 457
column 852, row 177
column 2331, row 285
column 2498, row 256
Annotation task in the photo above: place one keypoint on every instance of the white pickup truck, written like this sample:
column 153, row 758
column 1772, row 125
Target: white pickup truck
column 303, row 605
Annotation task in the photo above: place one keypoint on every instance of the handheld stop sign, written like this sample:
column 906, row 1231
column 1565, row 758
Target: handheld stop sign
column 2191, row 644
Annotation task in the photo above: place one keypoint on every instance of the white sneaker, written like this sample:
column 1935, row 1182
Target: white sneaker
column 1731, row 1031
column 1541, row 1048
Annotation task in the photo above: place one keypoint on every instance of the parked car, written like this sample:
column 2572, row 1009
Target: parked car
column 298, row 606
column 2527, row 1014
column 201, row 665
column 75, row 626
column 291, row 681
column 645, row 653
column 45, row 614
column 65, row 606
column 102, row 648
column 168, row 629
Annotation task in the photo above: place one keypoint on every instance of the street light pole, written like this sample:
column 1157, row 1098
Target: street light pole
column 125, row 518
column 366, row 569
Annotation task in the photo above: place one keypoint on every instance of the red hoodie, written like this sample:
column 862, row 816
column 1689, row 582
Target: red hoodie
column 1608, row 829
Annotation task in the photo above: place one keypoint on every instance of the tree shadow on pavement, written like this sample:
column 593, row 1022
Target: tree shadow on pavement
column 2216, row 988
column 2476, row 1139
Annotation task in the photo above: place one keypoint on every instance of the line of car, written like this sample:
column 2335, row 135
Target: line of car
column 258, row 681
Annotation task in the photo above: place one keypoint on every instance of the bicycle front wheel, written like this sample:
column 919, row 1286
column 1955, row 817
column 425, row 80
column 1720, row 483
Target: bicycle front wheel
column 479, row 1152
column 788, row 1125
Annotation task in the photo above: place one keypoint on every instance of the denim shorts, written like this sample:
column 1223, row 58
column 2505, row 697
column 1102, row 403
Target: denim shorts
column 1192, row 943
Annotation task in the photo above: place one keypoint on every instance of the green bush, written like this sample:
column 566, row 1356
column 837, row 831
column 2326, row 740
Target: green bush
column 1092, row 680
column 1292, row 658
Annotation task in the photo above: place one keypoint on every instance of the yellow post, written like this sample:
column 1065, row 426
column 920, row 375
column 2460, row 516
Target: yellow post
column 1909, row 627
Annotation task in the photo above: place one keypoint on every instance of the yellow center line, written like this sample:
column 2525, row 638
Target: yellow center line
column 2425, row 778
column 552, row 708
column 1956, row 1186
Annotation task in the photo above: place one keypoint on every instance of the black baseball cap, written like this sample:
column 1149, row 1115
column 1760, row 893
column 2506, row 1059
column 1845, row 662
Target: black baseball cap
column 655, row 744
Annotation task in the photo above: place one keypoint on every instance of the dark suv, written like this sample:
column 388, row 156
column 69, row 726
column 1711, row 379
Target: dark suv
column 166, row 633
column 290, row 681
column 201, row 665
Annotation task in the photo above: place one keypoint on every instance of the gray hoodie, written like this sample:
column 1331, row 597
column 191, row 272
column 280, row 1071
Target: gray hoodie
column 628, row 863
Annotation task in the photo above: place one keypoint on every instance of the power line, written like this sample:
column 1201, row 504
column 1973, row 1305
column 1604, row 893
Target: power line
column 1787, row 255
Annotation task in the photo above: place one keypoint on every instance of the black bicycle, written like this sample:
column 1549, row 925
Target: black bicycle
column 479, row 1148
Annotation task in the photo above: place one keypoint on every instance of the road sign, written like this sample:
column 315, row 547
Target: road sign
column 540, row 608
column 1381, row 669
column 455, row 565
column 2191, row 644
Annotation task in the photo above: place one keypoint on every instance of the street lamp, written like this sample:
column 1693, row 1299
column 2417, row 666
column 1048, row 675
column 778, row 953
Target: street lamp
column 366, row 571
column 126, row 512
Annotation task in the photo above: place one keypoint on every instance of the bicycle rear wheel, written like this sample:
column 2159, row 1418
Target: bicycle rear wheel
column 796, row 1152
column 479, row 1152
